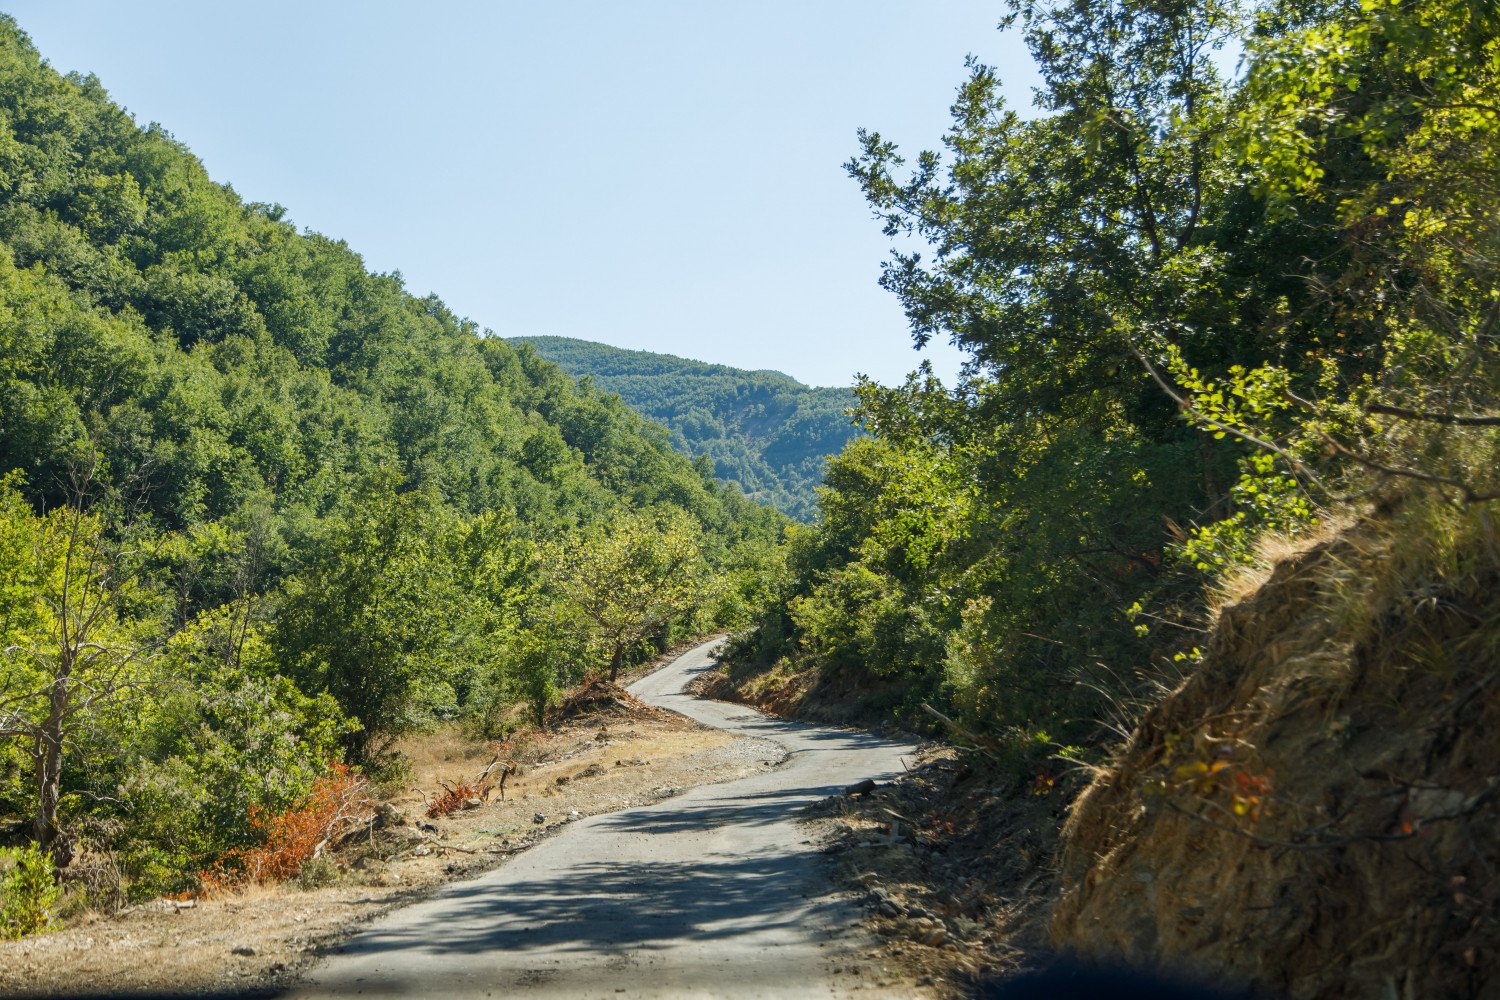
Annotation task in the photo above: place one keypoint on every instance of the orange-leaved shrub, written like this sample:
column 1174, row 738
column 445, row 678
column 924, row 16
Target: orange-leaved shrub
column 337, row 804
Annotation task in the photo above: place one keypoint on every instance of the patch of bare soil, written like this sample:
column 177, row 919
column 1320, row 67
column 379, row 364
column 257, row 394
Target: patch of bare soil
column 955, row 864
column 610, row 752
column 1313, row 812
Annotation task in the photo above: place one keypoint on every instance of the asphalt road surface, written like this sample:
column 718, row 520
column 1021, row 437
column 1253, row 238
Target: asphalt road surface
column 717, row 892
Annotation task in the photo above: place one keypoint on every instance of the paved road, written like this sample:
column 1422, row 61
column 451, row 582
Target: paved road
column 714, row 893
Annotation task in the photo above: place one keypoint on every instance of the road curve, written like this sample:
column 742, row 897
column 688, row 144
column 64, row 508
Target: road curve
column 714, row 893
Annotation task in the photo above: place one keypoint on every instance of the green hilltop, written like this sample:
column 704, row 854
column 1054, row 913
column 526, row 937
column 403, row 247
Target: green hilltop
column 763, row 430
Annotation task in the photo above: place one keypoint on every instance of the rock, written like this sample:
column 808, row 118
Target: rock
column 539, row 819
column 925, row 981
column 387, row 815
column 563, row 779
column 889, row 908
column 935, row 937
column 592, row 771
column 472, row 803
column 421, row 851
column 242, row 949
column 861, row 789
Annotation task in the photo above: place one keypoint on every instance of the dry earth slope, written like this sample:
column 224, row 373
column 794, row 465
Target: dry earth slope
column 1313, row 813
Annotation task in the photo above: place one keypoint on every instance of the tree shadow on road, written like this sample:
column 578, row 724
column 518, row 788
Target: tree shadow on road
column 603, row 904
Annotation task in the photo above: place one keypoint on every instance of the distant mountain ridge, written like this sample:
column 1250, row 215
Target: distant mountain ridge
column 762, row 429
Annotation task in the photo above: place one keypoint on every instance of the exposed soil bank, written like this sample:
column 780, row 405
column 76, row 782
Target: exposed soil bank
column 1314, row 812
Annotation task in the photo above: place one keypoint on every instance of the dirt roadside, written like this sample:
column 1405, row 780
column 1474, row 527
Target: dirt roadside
column 259, row 941
column 954, row 864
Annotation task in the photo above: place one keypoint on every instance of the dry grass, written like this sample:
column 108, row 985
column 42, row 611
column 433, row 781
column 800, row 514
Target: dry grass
column 1357, row 679
column 443, row 754
column 1272, row 550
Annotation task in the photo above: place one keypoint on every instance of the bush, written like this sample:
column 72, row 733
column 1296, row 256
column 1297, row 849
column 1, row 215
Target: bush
column 28, row 891
column 240, row 742
column 317, row 873
column 337, row 804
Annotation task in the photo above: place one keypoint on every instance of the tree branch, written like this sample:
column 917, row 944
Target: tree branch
column 1457, row 419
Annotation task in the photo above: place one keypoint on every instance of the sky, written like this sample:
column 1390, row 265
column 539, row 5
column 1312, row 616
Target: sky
column 665, row 176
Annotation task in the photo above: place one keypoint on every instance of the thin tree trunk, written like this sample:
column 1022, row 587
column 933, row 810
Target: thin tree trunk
column 49, row 776
column 614, row 663
column 1215, row 495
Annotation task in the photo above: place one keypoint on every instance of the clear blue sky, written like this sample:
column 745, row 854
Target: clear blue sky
column 656, row 175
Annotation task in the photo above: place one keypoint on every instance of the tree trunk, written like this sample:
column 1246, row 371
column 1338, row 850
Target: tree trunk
column 49, row 754
column 1214, row 494
column 615, row 659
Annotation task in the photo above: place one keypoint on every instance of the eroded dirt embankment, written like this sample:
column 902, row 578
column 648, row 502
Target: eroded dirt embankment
column 1314, row 811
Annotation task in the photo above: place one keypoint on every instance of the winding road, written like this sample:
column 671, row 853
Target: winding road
column 717, row 892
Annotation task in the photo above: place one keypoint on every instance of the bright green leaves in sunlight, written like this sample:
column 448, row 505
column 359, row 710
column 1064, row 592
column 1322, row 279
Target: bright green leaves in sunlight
column 629, row 578
column 1199, row 308
column 75, row 655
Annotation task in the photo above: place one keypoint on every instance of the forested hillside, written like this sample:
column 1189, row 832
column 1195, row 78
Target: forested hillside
column 263, row 511
column 763, row 430
column 1200, row 551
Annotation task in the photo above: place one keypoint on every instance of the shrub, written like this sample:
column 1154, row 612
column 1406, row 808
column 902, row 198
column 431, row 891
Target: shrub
column 28, row 891
column 317, row 873
column 240, row 742
column 338, row 803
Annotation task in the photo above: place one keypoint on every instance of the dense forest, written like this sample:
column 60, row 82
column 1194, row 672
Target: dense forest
column 263, row 511
column 1204, row 306
column 763, row 430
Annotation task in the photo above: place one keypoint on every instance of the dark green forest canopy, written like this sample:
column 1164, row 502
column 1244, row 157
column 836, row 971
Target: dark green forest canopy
column 216, row 357
column 763, row 430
